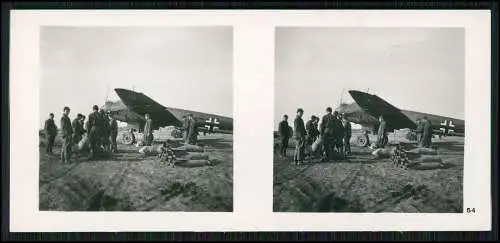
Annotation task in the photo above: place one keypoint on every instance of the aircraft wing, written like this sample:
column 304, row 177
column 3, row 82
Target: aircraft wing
column 376, row 106
column 141, row 104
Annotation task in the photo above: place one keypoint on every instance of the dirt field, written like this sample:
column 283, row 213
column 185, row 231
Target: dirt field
column 364, row 184
column 130, row 181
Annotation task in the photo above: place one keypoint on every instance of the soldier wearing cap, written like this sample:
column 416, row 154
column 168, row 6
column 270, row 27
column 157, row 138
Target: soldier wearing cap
column 300, row 137
column 50, row 129
column 94, row 127
column 284, row 134
column 327, row 133
column 311, row 130
column 77, row 128
column 67, row 135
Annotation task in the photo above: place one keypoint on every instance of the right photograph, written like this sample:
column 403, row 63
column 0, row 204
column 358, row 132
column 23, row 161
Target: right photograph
column 369, row 119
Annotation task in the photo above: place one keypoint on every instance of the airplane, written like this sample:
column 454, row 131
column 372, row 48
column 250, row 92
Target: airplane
column 133, row 106
column 367, row 108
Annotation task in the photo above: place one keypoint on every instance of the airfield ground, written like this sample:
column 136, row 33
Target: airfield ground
column 364, row 184
column 130, row 181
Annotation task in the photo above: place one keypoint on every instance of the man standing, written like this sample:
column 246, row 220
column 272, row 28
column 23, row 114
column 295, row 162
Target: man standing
column 50, row 129
column 106, row 131
column 114, row 133
column 338, row 132
column 347, row 136
column 148, row 131
column 310, row 131
column 77, row 129
column 94, row 126
column 326, row 132
column 82, row 122
column 419, row 131
column 427, row 133
column 192, row 130
column 284, row 133
column 382, row 133
column 132, row 136
column 67, row 135
column 185, row 128
column 300, row 137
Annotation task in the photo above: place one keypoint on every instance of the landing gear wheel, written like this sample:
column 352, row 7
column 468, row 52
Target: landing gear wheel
column 362, row 141
column 176, row 133
column 126, row 138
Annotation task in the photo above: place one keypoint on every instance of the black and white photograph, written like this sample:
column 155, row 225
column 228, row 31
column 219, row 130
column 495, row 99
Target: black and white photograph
column 369, row 119
column 136, row 119
column 161, row 121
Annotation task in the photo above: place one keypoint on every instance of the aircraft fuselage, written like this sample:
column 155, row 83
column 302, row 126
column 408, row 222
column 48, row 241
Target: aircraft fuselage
column 441, row 125
column 133, row 106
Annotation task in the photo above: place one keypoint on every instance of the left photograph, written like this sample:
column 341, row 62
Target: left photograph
column 136, row 119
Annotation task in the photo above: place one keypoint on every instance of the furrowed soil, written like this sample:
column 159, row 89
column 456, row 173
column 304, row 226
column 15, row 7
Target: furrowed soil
column 130, row 181
column 364, row 184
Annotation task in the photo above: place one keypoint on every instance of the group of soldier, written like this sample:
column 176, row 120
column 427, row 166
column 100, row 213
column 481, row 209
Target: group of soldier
column 334, row 132
column 101, row 130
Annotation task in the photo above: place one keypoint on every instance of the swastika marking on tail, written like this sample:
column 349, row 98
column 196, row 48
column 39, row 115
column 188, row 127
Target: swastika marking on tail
column 447, row 126
column 212, row 124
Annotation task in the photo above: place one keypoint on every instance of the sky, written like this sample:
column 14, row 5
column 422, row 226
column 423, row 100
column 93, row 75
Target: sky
column 181, row 67
column 419, row 69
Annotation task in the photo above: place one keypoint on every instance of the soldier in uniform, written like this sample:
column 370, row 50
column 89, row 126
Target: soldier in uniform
column 310, row 130
column 327, row 132
column 67, row 135
column 300, row 137
column 148, row 131
column 419, row 131
column 427, row 133
column 50, row 129
column 114, row 133
column 284, row 133
column 316, row 127
column 94, row 127
column 82, row 122
column 192, row 130
column 132, row 135
column 185, row 129
column 347, row 136
column 106, row 131
column 382, row 133
column 77, row 129
column 338, row 132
